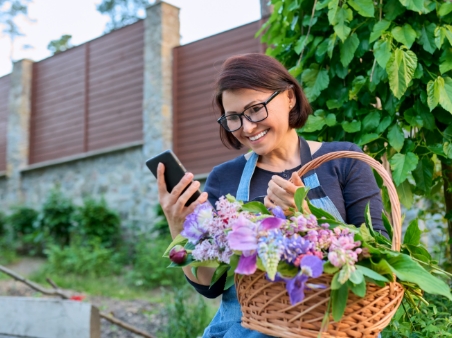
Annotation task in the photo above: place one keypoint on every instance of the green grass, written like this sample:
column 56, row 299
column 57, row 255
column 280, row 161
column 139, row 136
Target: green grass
column 110, row 286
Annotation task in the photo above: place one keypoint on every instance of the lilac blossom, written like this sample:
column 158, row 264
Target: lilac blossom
column 227, row 208
column 343, row 253
column 196, row 224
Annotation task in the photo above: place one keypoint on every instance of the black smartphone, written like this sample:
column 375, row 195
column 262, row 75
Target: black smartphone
column 174, row 171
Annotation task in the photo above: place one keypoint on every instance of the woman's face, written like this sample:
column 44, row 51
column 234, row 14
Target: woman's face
column 270, row 134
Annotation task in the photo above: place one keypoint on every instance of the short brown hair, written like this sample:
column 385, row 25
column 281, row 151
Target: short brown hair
column 258, row 72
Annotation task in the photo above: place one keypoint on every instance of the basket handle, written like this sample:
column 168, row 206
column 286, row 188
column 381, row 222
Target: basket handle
column 393, row 197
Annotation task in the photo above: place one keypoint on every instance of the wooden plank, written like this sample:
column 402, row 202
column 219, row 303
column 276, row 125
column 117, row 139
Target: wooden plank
column 48, row 318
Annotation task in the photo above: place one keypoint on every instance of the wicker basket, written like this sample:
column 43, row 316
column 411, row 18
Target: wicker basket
column 266, row 307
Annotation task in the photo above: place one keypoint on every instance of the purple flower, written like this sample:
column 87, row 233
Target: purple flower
column 178, row 254
column 245, row 233
column 294, row 247
column 196, row 224
column 310, row 266
column 247, row 264
column 278, row 212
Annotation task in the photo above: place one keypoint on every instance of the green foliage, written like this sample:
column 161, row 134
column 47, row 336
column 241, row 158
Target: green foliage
column 60, row 45
column 161, row 227
column 432, row 320
column 187, row 317
column 92, row 260
column 150, row 268
column 95, row 220
column 2, row 224
column 22, row 220
column 122, row 12
column 9, row 10
column 56, row 217
column 382, row 69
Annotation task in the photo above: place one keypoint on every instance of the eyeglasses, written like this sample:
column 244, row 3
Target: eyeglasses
column 256, row 113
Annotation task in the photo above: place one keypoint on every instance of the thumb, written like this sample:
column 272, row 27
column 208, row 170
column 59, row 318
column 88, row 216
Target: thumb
column 296, row 180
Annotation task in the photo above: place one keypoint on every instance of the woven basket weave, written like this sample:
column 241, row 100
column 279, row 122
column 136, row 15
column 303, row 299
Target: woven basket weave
column 266, row 307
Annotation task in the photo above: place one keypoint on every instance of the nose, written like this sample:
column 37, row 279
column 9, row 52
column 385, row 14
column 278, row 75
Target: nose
column 248, row 126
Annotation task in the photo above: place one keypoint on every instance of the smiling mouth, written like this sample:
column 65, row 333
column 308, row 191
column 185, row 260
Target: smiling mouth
column 258, row 136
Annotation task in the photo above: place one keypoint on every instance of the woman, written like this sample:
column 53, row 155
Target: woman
column 261, row 106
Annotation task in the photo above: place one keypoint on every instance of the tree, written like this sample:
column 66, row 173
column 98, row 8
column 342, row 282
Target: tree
column 9, row 10
column 378, row 73
column 60, row 45
column 123, row 12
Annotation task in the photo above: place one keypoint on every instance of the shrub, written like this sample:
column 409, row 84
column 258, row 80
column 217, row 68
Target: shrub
column 2, row 224
column 96, row 220
column 26, row 234
column 188, row 315
column 160, row 227
column 150, row 269
column 56, row 217
column 92, row 259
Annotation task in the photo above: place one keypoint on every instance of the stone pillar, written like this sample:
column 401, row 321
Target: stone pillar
column 161, row 36
column 18, row 129
column 266, row 8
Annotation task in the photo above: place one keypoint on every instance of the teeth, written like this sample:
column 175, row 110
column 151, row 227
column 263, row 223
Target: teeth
column 258, row 136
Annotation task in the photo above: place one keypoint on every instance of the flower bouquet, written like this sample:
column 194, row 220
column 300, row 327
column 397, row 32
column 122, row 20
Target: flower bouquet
column 307, row 274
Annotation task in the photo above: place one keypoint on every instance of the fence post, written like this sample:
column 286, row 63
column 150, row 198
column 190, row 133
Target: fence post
column 18, row 128
column 161, row 36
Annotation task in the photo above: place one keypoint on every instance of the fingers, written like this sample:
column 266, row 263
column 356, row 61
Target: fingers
column 296, row 180
column 161, row 184
column 268, row 203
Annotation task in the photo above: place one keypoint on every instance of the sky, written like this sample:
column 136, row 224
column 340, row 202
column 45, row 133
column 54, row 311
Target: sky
column 50, row 19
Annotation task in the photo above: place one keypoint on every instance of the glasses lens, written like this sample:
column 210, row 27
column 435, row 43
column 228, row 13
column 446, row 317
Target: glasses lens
column 257, row 112
column 231, row 122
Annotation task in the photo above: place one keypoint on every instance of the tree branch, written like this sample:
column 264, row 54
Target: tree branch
column 56, row 291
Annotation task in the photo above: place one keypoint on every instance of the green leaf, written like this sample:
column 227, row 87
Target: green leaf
column 365, row 234
column 405, row 35
column 387, row 224
column 319, row 213
column 333, row 6
column 402, row 165
column 423, row 174
column 445, row 8
column 367, row 138
column 356, row 277
column 331, row 44
column 357, row 84
column 330, row 120
column 343, row 16
column 427, row 39
column 400, row 69
column 302, row 42
column 447, row 149
column 414, row 5
column 179, row 239
column 363, row 7
column 445, row 94
column 405, row 194
column 300, row 195
column 446, row 60
column 194, row 271
column 358, row 289
column 413, row 233
column 322, row 4
column 335, row 284
column 315, row 80
column 255, row 207
column 409, row 271
column 440, row 35
column 329, row 268
column 419, row 252
column 220, row 270
column 385, row 123
column 351, row 127
column 314, row 123
column 286, row 269
column 334, row 104
column 382, row 268
column 382, row 52
column 348, row 49
column 378, row 29
column 411, row 116
column 371, row 121
column 339, row 302
column 396, row 137
column 371, row 273
column 392, row 9
column 433, row 92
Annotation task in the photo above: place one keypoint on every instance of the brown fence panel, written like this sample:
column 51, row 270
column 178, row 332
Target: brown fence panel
column 4, row 94
column 58, row 106
column 116, row 88
column 196, row 132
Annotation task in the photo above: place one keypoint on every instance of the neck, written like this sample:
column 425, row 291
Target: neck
column 285, row 156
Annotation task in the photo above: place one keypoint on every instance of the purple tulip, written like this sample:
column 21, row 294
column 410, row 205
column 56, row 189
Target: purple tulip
column 178, row 254
column 247, row 264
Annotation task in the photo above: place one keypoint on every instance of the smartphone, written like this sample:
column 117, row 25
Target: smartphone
column 174, row 171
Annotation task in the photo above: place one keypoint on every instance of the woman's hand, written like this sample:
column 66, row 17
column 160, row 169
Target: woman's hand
column 281, row 193
column 173, row 203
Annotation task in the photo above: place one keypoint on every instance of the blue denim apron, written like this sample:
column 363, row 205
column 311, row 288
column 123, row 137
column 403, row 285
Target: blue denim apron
column 226, row 323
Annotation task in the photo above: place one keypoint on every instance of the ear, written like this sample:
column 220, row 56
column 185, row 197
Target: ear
column 292, row 98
